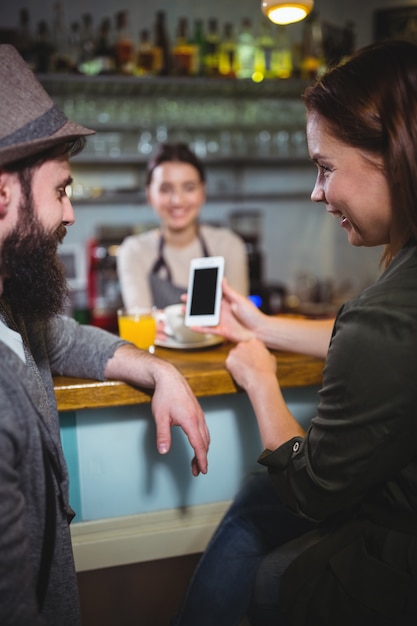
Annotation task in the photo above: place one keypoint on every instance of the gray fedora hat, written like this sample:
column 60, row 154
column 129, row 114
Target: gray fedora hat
column 30, row 122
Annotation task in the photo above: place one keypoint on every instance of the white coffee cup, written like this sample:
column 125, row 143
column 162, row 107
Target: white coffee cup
column 174, row 325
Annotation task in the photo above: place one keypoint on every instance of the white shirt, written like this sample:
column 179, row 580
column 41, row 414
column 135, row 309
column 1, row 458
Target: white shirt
column 138, row 253
column 13, row 340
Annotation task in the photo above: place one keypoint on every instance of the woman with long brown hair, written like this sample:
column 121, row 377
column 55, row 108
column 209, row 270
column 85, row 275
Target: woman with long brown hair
column 328, row 535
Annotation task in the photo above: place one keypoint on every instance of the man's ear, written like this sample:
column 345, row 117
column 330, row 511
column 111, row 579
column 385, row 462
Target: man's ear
column 5, row 193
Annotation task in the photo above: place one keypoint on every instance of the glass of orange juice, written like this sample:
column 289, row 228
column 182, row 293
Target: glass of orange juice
column 138, row 326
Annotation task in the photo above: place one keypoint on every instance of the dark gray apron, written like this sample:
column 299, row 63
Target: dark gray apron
column 164, row 292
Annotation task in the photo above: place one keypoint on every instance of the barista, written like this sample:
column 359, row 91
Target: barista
column 153, row 266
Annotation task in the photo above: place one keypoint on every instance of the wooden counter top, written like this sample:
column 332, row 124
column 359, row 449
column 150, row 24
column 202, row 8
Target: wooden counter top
column 203, row 369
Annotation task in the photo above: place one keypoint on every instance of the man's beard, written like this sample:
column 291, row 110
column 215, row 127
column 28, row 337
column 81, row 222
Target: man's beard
column 34, row 282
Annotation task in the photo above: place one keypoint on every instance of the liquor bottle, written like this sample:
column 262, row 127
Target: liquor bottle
column 227, row 52
column 59, row 39
column 313, row 61
column 105, row 52
column 145, row 54
column 283, row 57
column 273, row 56
column 162, row 44
column 125, row 60
column 42, row 48
column 24, row 37
column 87, row 43
column 182, row 52
column 74, row 46
column 198, row 48
column 265, row 50
column 211, row 48
column 245, row 50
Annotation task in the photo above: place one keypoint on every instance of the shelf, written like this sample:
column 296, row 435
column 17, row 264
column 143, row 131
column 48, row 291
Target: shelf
column 112, row 85
column 232, row 125
column 240, row 116
column 86, row 158
column 138, row 197
column 193, row 128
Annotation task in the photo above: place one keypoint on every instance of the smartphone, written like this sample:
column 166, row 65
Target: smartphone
column 204, row 293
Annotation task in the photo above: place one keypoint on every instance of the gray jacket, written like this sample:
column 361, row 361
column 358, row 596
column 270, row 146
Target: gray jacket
column 29, row 434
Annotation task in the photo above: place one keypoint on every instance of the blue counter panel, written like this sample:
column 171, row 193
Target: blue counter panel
column 115, row 469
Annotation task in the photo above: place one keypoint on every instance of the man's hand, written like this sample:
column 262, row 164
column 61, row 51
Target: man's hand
column 173, row 403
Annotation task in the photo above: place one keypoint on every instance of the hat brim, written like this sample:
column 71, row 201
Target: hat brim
column 68, row 132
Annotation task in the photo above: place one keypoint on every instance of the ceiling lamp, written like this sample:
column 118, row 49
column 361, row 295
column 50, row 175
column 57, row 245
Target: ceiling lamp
column 286, row 12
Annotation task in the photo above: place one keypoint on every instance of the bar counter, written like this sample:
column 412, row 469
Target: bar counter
column 204, row 370
column 132, row 504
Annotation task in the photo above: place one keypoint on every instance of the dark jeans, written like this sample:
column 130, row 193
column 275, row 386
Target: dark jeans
column 247, row 545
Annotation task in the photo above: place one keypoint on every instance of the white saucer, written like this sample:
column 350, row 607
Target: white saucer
column 206, row 342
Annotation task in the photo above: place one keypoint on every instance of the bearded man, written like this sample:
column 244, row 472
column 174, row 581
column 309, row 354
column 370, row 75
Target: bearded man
column 37, row 574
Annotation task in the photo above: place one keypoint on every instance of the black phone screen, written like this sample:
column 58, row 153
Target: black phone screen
column 204, row 291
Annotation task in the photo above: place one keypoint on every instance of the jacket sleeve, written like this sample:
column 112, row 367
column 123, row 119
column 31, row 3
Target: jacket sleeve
column 78, row 350
column 365, row 430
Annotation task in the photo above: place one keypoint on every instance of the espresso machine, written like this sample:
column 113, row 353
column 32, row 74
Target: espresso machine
column 104, row 297
column 270, row 298
column 247, row 224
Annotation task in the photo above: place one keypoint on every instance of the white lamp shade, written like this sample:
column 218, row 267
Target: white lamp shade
column 286, row 12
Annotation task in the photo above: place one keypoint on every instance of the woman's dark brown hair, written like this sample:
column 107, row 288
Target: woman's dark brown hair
column 370, row 103
column 178, row 152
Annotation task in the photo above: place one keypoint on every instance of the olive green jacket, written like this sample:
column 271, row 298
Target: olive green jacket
column 355, row 472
